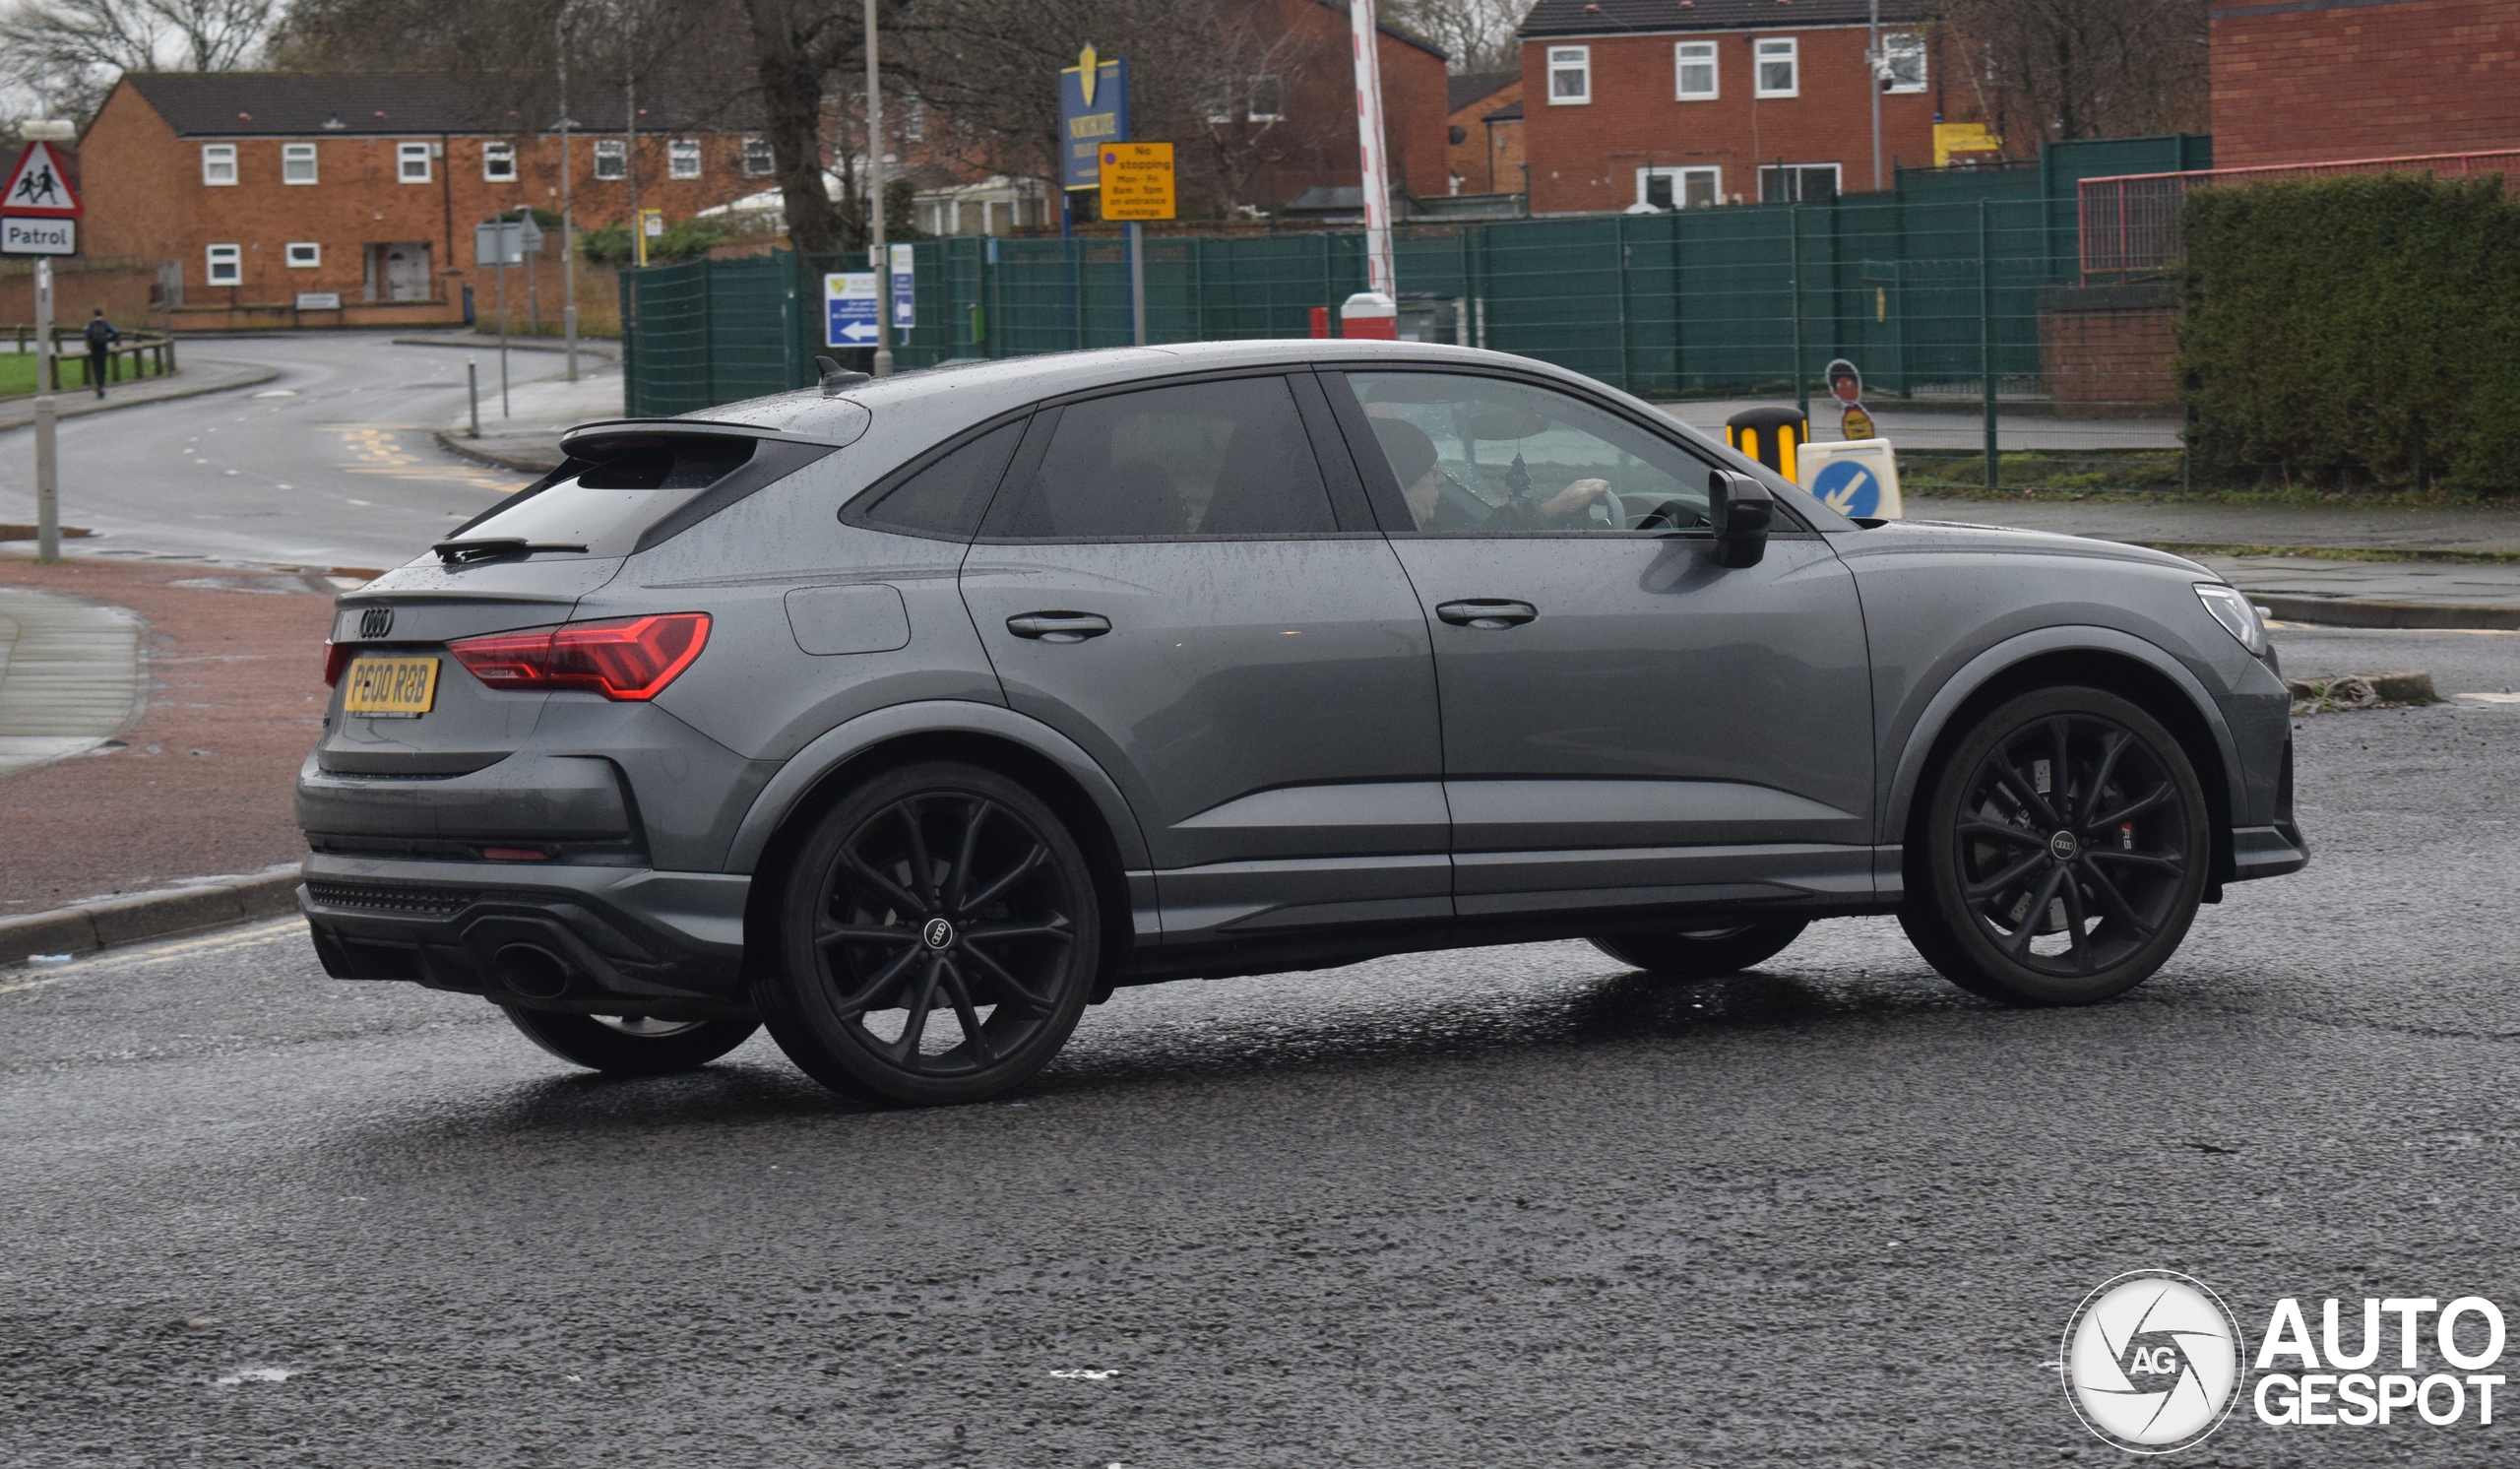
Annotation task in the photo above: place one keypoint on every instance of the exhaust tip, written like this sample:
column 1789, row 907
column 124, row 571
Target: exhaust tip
column 531, row 971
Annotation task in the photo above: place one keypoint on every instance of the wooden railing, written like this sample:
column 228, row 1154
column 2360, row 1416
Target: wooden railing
column 137, row 354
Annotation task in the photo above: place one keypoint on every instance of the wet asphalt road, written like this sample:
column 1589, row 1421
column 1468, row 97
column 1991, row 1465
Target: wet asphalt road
column 1494, row 1207
column 330, row 464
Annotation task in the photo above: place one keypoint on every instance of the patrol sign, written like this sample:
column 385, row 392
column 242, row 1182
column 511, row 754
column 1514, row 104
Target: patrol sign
column 38, row 236
column 1858, row 479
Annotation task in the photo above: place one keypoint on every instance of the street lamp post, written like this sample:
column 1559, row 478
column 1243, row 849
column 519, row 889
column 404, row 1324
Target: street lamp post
column 876, row 254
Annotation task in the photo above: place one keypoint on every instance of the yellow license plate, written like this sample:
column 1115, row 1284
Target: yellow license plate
column 390, row 686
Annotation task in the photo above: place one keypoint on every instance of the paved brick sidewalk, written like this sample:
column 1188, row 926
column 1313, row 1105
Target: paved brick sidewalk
column 200, row 782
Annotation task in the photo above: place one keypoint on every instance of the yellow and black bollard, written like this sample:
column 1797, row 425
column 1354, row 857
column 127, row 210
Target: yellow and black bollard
column 1772, row 434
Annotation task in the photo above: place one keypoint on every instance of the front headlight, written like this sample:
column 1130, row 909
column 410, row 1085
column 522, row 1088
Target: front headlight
column 2234, row 612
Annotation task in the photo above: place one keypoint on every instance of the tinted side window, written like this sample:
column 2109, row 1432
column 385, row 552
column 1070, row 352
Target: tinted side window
column 1196, row 459
column 1484, row 455
column 948, row 497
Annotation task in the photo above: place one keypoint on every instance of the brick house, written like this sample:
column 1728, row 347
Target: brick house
column 1483, row 146
column 1291, row 124
column 2306, row 81
column 1680, row 104
column 265, row 186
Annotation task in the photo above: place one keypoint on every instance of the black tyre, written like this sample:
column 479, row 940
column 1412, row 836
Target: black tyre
column 1702, row 953
column 632, row 1045
column 938, row 938
column 2060, row 852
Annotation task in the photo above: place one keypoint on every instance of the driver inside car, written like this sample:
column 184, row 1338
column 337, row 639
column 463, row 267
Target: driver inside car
column 1439, row 503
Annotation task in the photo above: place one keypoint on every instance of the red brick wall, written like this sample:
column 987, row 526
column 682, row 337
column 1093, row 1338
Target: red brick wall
column 1315, row 145
column 1585, row 157
column 2107, row 352
column 142, row 187
column 2304, row 82
column 1487, row 168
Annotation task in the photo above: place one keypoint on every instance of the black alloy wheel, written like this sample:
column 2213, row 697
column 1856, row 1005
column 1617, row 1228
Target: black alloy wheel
column 631, row 1045
column 2062, row 852
column 1703, row 953
column 940, row 938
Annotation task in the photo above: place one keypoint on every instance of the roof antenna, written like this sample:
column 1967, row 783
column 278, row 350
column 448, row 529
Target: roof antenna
column 836, row 377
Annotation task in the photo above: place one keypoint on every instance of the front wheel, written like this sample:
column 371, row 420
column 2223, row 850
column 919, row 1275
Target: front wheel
column 631, row 1045
column 2061, row 852
column 939, row 935
column 1703, row 953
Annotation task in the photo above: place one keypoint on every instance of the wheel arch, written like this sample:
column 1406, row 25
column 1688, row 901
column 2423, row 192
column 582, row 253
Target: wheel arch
column 1043, row 760
column 2093, row 657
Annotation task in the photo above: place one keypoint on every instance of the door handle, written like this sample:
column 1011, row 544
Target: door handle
column 1489, row 614
column 1058, row 627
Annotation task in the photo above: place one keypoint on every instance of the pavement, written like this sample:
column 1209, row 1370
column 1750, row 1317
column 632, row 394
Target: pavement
column 1504, row 1206
column 184, row 698
column 526, row 437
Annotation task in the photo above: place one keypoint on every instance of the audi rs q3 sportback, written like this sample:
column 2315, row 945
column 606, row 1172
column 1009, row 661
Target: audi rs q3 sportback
column 911, row 717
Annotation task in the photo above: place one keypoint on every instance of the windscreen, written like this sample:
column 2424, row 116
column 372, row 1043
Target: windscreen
column 601, row 501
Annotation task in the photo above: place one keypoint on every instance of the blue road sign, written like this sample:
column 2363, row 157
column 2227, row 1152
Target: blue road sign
column 1094, row 109
column 1847, row 487
column 849, row 308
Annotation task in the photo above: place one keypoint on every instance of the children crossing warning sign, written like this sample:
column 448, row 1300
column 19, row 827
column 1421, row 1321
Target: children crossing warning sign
column 39, row 186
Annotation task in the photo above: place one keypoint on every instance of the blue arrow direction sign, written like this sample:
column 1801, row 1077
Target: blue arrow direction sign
column 849, row 308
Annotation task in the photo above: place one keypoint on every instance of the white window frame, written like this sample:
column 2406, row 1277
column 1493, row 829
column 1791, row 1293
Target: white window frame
column 312, row 253
column 228, row 258
column 1688, row 54
column 1900, row 45
column 1574, row 61
column 498, row 151
column 1769, row 49
column 613, row 151
column 682, row 158
column 1679, row 174
column 218, row 158
column 1255, row 83
column 1836, row 171
column 407, row 153
column 758, row 148
column 291, row 153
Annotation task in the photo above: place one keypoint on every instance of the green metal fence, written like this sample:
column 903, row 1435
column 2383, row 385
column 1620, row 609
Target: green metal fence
column 1940, row 288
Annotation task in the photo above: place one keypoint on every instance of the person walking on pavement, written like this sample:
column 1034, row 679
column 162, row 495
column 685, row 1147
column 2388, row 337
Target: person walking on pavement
column 102, row 337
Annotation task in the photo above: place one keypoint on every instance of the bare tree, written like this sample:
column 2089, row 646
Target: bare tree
column 2060, row 69
column 66, row 54
column 1478, row 35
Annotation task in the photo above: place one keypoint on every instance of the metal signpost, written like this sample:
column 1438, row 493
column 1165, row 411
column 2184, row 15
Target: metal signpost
column 503, row 243
column 1093, row 111
column 1137, row 185
column 39, row 216
column 876, row 259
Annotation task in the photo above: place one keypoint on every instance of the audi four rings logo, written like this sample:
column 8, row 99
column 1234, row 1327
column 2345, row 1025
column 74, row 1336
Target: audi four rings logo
column 376, row 623
column 938, row 933
column 2152, row 1362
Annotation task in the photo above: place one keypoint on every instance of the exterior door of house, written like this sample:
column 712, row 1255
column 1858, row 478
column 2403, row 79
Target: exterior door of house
column 403, row 270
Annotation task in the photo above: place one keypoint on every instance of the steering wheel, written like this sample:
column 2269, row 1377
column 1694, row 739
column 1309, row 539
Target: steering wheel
column 1613, row 506
column 1667, row 517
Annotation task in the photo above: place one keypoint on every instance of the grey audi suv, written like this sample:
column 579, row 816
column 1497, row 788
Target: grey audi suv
column 911, row 717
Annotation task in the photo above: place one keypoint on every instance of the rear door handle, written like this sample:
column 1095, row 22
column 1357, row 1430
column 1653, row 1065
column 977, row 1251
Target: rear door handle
column 1488, row 612
column 1058, row 627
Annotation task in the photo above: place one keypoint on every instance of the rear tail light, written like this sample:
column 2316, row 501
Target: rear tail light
column 337, row 657
column 622, row 657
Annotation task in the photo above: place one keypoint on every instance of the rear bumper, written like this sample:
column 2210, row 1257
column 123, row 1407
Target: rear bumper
column 595, row 940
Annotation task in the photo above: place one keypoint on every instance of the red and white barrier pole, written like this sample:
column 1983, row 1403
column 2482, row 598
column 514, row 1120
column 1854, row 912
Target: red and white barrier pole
column 1379, row 275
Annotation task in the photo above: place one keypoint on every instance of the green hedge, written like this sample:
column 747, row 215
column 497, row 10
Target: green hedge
column 2356, row 330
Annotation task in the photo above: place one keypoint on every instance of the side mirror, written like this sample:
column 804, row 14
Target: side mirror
column 1741, row 510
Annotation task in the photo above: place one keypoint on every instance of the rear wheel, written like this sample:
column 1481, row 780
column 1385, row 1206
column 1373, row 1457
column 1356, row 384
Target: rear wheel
column 1702, row 953
column 632, row 1045
column 939, row 938
column 2062, row 853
